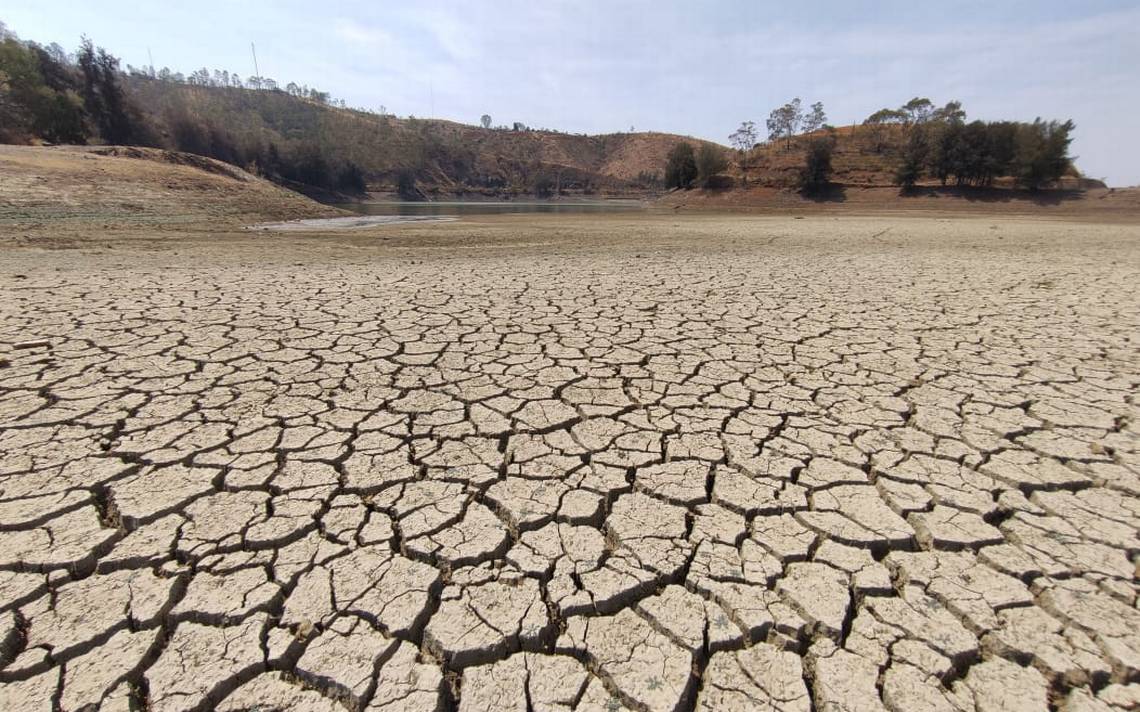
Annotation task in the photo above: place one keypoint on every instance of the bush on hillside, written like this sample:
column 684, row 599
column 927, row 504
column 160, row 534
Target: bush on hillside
column 914, row 158
column 680, row 167
column 710, row 163
column 815, row 175
column 406, row 185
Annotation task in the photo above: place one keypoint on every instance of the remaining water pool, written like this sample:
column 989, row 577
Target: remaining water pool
column 473, row 207
column 347, row 223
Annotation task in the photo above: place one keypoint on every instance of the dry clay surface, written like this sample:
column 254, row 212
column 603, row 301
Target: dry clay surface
column 820, row 465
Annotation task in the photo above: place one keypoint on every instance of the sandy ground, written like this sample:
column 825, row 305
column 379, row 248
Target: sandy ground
column 644, row 462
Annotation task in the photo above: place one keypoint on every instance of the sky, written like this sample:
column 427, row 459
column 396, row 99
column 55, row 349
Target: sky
column 697, row 68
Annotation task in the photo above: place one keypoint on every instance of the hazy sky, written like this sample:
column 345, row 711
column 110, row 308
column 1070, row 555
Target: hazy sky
column 696, row 67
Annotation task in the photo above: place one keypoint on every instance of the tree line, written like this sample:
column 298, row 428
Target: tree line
column 48, row 94
column 927, row 142
column 45, row 93
column 939, row 144
column 224, row 79
column 684, row 168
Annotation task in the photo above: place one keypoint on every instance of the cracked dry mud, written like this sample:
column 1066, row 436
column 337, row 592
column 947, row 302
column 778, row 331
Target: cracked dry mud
column 833, row 476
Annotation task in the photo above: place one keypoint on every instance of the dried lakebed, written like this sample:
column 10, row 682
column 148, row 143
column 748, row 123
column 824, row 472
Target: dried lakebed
column 898, row 472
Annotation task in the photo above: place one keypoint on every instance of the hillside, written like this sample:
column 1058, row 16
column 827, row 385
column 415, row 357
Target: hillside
column 301, row 139
column 437, row 158
column 51, row 196
column 860, row 158
column 443, row 157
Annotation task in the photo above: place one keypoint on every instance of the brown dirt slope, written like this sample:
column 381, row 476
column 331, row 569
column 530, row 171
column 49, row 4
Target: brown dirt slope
column 59, row 189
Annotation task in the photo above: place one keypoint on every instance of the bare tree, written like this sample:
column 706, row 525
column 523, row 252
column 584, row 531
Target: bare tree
column 785, row 121
column 743, row 140
column 815, row 119
column 485, row 119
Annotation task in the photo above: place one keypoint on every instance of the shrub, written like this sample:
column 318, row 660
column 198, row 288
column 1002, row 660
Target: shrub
column 710, row 162
column 681, row 167
column 406, row 185
column 914, row 158
column 816, row 172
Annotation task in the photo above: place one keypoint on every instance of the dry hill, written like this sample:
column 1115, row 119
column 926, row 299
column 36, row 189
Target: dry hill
column 52, row 195
column 442, row 157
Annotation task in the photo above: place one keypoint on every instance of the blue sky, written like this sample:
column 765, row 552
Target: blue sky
column 696, row 68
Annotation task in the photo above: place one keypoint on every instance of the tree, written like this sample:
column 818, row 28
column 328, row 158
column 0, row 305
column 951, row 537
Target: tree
column 944, row 149
column 406, row 185
column 917, row 110
column 876, row 126
column 681, row 167
column 1042, row 152
column 815, row 119
column 200, row 77
column 485, row 119
column 785, row 121
column 913, row 160
column 951, row 113
column 545, row 185
column 103, row 98
column 815, row 175
column 743, row 140
column 710, row 163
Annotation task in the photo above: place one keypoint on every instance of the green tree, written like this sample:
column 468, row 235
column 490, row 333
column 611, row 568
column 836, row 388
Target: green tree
column 103, row 96
column 1042, row 152
column 914, row 156
column 37, row 96
column 876, row 126
column 680, row 167
column 917, row 110
column 710, row 163
column 951, row 113
column 406, row 185
column 815, row 175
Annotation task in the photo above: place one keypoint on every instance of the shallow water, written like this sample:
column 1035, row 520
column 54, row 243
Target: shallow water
column 348, row 223
column 479, row 207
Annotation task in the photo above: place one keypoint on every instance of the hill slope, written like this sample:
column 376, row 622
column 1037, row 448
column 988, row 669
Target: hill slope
column 64, row 193
column 250, row 127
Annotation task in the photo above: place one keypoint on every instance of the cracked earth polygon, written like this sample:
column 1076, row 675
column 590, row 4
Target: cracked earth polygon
column 889, row 475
